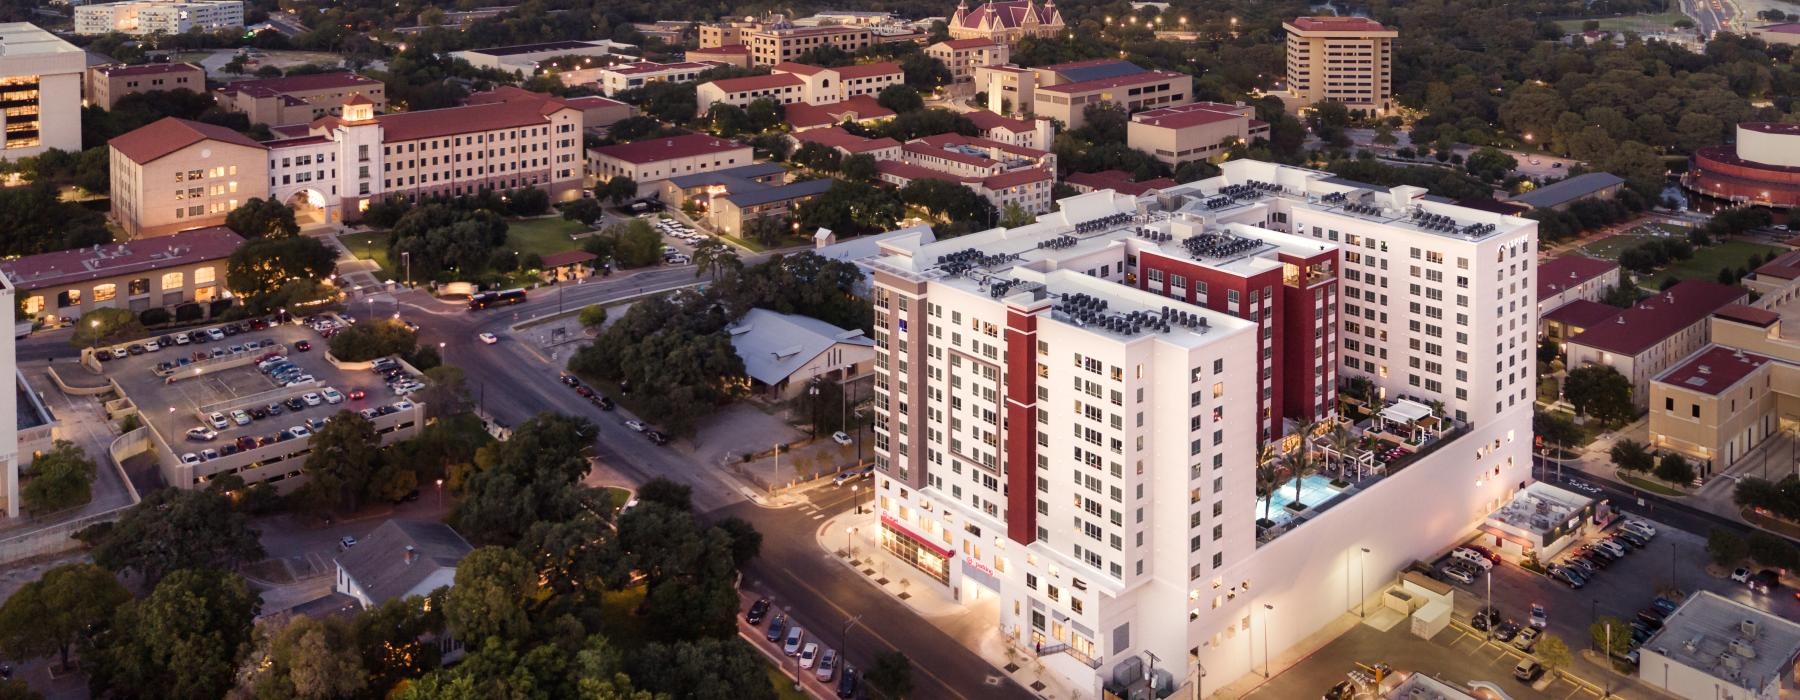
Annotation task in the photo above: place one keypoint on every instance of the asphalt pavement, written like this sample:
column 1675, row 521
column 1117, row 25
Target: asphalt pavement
column 803, row 581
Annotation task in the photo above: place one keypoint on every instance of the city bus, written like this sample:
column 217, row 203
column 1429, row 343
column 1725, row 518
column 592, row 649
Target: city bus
column 484, row 300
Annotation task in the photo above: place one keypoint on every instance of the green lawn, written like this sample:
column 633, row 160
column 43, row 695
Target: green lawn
column 368, row 246
column 543, row 236
column 616, row 497
column 784, row 688
column 1631, row 23
column 1648, row 484
column 1706, row 262
column 1610, row 247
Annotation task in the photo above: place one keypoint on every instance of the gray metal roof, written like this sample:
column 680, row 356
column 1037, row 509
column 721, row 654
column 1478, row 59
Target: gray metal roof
column 1569, row 190
column 775, row 345
column 742, row 172
column 379, row 563
column 776, row 193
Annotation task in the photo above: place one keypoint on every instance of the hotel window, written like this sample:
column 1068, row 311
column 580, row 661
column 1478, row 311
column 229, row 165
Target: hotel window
column 204, row 275
column 138, row 286
column 172, row 280
column 105, row 292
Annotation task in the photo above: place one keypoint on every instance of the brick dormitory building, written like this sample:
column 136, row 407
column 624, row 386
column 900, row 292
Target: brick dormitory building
column 174, row 174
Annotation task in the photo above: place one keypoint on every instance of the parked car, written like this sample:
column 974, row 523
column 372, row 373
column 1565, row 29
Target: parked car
column 1527, row 639
column 1459, row 574
column 346, row 542
column 840, row 437
column 1765, row 581
column 636, row 425
column 240, row 417
column 488, row 338
column 312, row 398
column 1528, row 670
column 303, row 346
column 1568, row 576
column 1640, row 527
column 757, row 611
column 1741, row 575
column 1540, row 618
column 294, row 403
column 202, row 434
column 570, row 380
column 1505, row 631
column 776, row 626
column 1484, row 618
column 215, row 334
column 332, row 396
column 1634, row 539
column 847, row 682
column 1664, row 605
column 809, row 655
column 796, row 636
column 827, row 666
column 217, row 420
column 656, row 437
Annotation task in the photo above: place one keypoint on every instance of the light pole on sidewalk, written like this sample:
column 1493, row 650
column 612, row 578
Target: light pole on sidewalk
column 1268, row 609
column 440, row 489
column 1362, row 579
column 850, row 542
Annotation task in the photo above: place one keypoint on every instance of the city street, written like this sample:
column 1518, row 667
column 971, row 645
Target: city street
column 821, row 594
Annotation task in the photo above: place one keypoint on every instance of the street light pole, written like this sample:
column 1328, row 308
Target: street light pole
column 440, row 490
column 1267, row 611
column 1488, row 606
column 1362, row 579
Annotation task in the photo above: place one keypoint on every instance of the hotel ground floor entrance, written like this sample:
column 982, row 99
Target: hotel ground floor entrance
column 934, row 561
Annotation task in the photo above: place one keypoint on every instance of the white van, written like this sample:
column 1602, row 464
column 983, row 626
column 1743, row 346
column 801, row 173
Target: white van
column 1470, row 556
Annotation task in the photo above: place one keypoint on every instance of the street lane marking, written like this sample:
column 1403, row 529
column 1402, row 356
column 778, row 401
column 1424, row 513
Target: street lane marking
column 876, row 634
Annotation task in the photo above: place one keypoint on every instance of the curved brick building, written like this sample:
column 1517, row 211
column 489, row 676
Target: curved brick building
column 1763, row 168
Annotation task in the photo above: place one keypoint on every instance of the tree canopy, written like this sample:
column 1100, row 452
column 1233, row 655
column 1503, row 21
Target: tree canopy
column 173, row 529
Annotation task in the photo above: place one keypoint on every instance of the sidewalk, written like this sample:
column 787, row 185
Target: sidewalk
column 971, row 624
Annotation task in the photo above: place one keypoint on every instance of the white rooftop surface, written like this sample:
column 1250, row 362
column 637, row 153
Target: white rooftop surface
column 775, row 345
column 863, row 247
column 1405, row 411
column 1320, row 191
column 19, row 39
column 1712, row 634
column 1540, row 508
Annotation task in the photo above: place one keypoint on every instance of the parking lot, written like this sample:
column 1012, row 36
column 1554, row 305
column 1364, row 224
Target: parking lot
column 254, row 406
column 1455, row 656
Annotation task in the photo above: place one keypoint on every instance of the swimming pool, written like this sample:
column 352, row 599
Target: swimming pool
column 1315, row 490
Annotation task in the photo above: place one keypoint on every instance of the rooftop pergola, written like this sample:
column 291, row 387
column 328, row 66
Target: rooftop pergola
column 1418, row 420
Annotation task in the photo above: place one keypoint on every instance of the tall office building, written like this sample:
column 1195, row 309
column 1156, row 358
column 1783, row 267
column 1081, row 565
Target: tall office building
column 1070, row 414
column 40, row 92
column 1340, row 59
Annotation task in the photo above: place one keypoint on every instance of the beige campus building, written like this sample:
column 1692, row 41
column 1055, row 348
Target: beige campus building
column 175, row 174
column 1658, row 332
column 167, row 17
column 1744, row 386
column 107, row 84
column 1199, row 131
column 1064, row 91
column 1349, row 60
column 963, row 56
column 40, row 92
column 298, row 99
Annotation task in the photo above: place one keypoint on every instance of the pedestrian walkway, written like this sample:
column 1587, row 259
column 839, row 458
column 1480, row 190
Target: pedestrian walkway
column 851, row 540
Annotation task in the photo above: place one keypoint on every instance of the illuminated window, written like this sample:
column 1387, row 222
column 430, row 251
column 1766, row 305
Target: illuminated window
column 105, row 292
column 172, row 280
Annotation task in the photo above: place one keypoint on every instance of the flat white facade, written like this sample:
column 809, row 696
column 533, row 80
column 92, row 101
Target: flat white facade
column 40, row 92
column 616, row 79
column 1098, row 480
column 158, row 17
column 791, row 83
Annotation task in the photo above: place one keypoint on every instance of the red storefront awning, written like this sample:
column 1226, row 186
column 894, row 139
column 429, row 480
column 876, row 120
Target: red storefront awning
column 922, row 541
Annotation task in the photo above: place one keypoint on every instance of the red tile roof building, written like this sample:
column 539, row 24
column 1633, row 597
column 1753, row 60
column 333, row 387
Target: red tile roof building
column 1199, row 131
column 299, row 98
column 1003, row 173
column 1646, row 339
column 1117, row 181
column 735, row 55
column 651, row 161
column 160, row 272
column 1571, row 277
column 1349, row 60
column 848, row 144
column 331, row 168
column 862, row 109
column 798, row 83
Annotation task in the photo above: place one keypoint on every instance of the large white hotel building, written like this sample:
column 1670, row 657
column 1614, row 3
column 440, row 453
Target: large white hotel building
column 1070, row 413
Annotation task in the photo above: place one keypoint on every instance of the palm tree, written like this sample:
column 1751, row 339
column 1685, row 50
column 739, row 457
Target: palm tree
column 1268, row 474
column 1339, row 436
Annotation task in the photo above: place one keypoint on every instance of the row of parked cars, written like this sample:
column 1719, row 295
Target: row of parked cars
column 606, row 404
column 1467, row 562
column 822, row 661
column 676, row 229
column 1590, row 559
column 196, row 337
column 399, row 380
column 217, row 351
